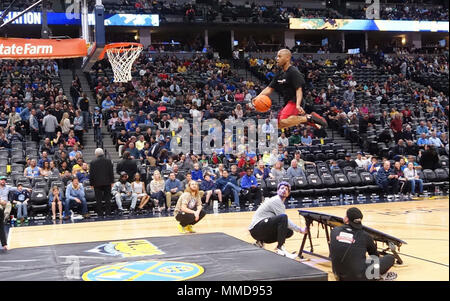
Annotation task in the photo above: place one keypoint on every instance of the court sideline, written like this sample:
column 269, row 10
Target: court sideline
column 422, row 224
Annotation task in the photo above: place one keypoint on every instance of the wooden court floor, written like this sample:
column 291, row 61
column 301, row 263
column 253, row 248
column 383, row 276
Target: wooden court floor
column 423, row 224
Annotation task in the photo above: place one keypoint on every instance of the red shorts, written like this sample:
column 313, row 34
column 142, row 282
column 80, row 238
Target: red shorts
column 289, row 109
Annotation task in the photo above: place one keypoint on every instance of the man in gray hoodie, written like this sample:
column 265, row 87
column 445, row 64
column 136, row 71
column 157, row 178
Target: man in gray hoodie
column 270, row 223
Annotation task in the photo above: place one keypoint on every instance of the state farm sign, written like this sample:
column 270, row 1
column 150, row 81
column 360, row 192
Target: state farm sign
column 11, row 48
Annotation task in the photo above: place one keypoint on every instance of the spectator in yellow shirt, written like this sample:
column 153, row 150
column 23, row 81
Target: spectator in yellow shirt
column 181, row 69
column 140, row 143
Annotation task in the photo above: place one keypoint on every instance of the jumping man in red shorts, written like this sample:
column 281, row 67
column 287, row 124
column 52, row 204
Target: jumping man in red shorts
column 288, row 83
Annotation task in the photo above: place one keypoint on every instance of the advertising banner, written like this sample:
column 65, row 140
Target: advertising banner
column 12, row 48
column 364, row 25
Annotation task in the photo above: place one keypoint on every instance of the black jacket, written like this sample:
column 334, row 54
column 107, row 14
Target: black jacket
column 129, row 166
column 154, row 150
column 101, row 172
column 429, row 160
column 348, row 248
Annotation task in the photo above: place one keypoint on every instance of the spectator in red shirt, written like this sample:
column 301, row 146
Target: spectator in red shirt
column 238, row 96
column 190, row 14
column 138, row 6
column 407, row 115
column 245, row 161
column 397, row 127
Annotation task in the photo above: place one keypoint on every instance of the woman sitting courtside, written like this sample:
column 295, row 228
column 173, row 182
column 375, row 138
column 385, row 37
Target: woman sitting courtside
column 156, row 190
column 138, row 187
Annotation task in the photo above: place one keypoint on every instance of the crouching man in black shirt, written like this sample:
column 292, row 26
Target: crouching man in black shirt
column 348, row 247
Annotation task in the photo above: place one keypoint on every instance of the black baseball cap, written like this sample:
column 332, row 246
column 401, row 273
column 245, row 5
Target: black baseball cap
column 123, row 173
column 355, row 216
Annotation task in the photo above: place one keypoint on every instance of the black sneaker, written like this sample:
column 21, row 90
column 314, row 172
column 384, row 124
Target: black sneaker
column 259, row 244
column 120, row 212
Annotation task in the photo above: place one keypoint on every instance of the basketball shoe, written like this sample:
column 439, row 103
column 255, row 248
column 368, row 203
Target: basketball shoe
column 317, row 120
column 189, row 229
column 282, row 251
column 181, row 229
column 259, row 243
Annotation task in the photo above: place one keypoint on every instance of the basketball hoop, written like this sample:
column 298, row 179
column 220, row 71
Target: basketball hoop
column 122, row 56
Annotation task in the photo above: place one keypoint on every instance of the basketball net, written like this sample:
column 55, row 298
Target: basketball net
column 122, row 59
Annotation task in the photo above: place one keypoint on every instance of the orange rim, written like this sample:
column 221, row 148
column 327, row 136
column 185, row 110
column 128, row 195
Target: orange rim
column 118, row 46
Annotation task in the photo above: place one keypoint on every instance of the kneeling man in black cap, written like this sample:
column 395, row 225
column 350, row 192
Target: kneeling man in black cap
column 348, row 247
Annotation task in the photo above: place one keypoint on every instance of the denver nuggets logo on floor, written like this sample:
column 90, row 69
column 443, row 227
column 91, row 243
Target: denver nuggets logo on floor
column 130, row 248
column 149, row 270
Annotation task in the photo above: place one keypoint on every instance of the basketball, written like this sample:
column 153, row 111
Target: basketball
column 262, row 103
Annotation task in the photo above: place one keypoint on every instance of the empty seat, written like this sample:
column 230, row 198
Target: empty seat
column 314, row 181
column 52, row 179
column 368, row 182
column 271, row 185
column 354, row 179
column 429, row 175
column 320, row 156
column 38, row 180
column 359, row 170
column 441, row 174
column 41, row 185
column 328, row 180
column 18, row 159
column 89, row 193
column 322, row 170
column 17, row 167
column 300, row 185
column 341, row 179
column 441, row 178
column 22, row 180
column 348, row 169
column 38, row 201
column 4, row 155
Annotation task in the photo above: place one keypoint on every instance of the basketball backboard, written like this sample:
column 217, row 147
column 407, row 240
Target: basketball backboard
column 93, row 31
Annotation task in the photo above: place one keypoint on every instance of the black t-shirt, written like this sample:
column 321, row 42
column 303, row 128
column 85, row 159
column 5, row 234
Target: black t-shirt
column 58, row 114
column 123, row 138
column 363, row 125
column 84, row 104
column 4, row 143
column 353, row 244
column 287, row 83
column 3, row 122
